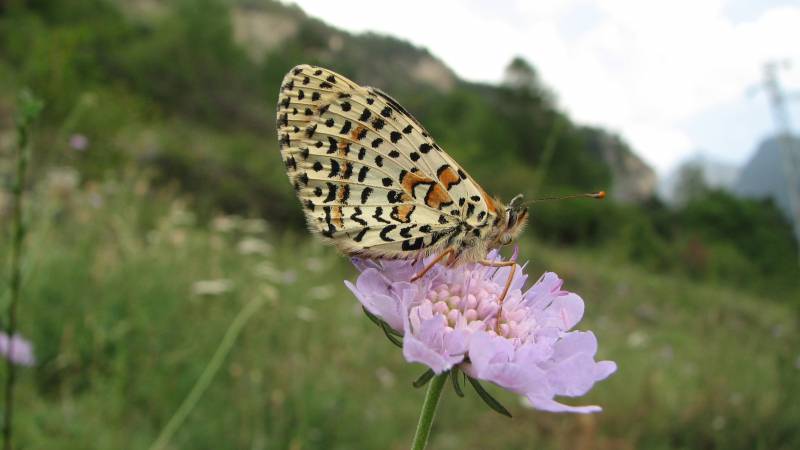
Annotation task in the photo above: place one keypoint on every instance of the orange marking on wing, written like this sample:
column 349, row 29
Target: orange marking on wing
column 411, row 180
column 449, row 177
column 437, row 196
column 356, row 132
column 336, row 217
column 342, row 146
column 490, row 203
column 402, row 213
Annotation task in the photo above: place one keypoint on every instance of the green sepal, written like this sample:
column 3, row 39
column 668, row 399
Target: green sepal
column 454, row 374
column 390, row 333
column 487, row 398
column 424, row 378
column 387, row 330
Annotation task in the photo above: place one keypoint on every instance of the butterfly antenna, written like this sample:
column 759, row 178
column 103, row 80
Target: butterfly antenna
column 597, row 195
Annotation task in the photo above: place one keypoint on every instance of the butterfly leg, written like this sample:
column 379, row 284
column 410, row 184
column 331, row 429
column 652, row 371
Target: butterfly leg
column 432, row 263
column 513, row 266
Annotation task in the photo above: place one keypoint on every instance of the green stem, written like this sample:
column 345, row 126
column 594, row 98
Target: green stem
column 428, row 412
column 208, row 374
column 15, row 275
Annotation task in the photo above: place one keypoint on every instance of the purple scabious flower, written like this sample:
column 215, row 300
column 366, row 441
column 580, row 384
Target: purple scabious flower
column 17, row 349
column 451, row 318
column 79, row 142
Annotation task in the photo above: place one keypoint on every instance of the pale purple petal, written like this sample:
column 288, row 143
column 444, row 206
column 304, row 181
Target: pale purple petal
column 17, row 349
column 548, row 404
column 430, row 345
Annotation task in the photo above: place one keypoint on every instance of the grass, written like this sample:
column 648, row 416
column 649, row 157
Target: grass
column 121, row 337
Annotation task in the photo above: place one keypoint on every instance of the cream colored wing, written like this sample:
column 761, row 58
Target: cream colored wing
column 369, row 176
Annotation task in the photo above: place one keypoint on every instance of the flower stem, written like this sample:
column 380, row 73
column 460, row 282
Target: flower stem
column 29, row 110
column 207, row 376
column 428, row 412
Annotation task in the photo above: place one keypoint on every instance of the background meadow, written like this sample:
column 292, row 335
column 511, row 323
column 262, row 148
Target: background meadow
column 159, row 211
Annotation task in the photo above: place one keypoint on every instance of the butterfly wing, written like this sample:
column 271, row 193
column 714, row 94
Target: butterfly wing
column 369, row 176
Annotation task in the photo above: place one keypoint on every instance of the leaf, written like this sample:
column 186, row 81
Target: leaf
column 456, row 383
column 487, row 398
column 424, row 378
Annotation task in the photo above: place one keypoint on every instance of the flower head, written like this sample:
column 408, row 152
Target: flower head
column 17, row 349
column 79, row 142
column 453, row 318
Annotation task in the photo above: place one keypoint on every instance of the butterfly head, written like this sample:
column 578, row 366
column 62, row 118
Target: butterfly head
column 516, row 217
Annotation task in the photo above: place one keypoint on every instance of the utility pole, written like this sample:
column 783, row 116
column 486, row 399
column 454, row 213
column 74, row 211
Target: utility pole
column 790, row 154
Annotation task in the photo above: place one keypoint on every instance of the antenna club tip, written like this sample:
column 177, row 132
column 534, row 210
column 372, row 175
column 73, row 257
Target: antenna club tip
column 600, row 195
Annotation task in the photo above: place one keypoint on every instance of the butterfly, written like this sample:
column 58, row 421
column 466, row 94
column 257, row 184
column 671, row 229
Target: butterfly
column 374, row 183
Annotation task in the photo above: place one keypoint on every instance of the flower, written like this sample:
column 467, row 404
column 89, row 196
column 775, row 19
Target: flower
column 18, row 349
column 79, row 142
column 212, row 287
column 451, row 318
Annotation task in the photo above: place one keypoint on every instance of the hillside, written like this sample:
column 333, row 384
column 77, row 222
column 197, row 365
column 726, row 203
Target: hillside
column 764, row 176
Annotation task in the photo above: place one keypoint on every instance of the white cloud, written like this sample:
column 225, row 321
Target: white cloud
column 643, row 69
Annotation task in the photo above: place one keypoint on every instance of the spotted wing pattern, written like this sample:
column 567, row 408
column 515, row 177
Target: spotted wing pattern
column 369, row 176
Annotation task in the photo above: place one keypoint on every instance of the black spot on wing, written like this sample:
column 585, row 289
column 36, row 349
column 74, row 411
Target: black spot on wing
column 362, row 174
column 470, row 209
column 334, row 168
column 348, row 171
column 356, row 217
column 361, row 234
column 379, row 215
column 416, row 244
column 406, row 232
column 365, row 193
column 331, row 193
column 385, row 231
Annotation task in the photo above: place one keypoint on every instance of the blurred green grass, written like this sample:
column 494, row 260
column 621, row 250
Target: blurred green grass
column 698, row 304
column 121, row 335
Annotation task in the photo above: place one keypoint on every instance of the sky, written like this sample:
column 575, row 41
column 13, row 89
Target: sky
column 676, row 79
